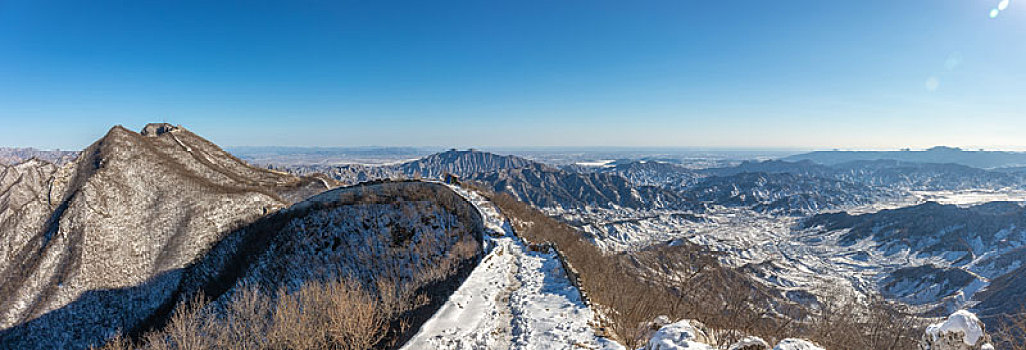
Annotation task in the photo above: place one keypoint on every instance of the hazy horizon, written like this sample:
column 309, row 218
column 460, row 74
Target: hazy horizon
column 98, row 135
column 559, row 148
column 739, row 75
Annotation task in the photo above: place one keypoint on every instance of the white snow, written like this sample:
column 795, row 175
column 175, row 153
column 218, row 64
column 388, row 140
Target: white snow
column 963, row 322
column 971, row 197
column 679, row 335
column 796, row 344
column 750, row 343
column 515, row 299
column 605, row 163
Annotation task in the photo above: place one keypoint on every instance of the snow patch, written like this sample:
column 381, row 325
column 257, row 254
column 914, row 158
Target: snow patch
column 797, row 344
column 680, row 335
column 750, row 343
column 606, row 163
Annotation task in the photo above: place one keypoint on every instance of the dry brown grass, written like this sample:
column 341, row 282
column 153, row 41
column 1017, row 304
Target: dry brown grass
column 320, row 315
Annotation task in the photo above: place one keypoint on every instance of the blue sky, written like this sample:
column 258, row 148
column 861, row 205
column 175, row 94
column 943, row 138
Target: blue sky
column 746, row 74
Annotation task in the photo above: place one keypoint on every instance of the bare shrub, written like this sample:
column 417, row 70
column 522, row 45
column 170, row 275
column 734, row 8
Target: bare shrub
column 188, row 328
column 320, row 315
column 119, row 342
column 335, row 315
column 1011, row 331
column 246, row 320
column 844, row 322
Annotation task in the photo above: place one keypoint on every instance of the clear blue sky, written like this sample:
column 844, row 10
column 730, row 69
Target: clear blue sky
column 820, row 74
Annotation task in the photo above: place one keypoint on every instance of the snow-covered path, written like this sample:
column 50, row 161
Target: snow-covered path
column 515, row 299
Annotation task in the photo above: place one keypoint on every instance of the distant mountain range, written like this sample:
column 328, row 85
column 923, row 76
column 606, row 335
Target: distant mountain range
column 461, row 163
column 549, row 187
column 805, row 186
column 768, row 186
column 940, row 154
column 292, row 156
column 11, row 156
column 535, row 183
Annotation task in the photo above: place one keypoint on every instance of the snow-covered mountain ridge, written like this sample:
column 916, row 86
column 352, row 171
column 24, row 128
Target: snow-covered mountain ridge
column 155, row 202
column 516, row 298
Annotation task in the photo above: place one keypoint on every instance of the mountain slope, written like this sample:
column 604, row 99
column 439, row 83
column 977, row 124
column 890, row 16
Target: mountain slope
column 133, row 206
column 418, row 238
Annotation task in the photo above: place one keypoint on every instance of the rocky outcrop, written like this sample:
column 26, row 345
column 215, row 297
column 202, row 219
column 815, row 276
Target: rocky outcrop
column 960, row 331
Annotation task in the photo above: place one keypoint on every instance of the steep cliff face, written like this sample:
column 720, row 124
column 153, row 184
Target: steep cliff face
column 130, row 208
